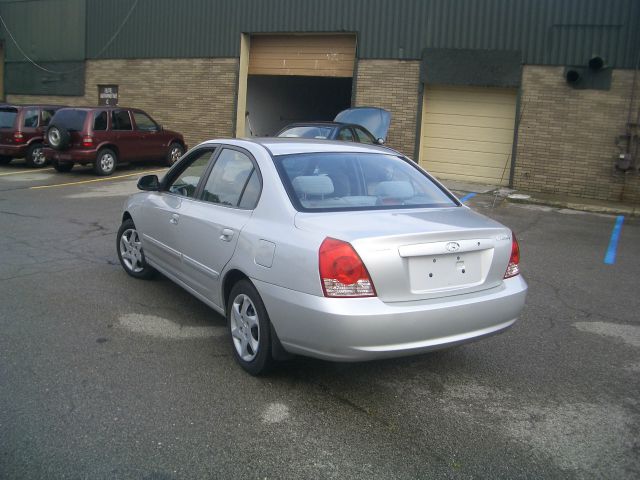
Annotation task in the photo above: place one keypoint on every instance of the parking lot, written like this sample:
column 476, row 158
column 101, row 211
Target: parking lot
column 105, row 376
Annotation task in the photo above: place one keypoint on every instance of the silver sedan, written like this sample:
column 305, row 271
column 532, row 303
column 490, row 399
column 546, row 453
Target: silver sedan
column 333, row 250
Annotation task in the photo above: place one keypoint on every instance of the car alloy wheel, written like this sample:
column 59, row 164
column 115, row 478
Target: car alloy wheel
column 131, row 250
column 37, row 157
column 245, row 327
column 106, row 162
column 130, row 253
column 174, row 154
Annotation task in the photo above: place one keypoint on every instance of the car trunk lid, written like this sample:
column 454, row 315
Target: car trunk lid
column 376, row 120
column 421, row 254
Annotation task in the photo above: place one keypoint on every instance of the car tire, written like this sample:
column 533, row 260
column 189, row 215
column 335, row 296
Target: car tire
column 249, row 329
column 105, row 163
column 58, row 137
column 62, row 167
column 130, row 253
column 35, row 156
column 175, row 152
column 5, row 159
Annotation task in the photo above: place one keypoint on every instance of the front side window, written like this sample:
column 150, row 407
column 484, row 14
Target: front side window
column 144, row 122
column 186, row 182
column 230, row 181
column 357, row 181
column 100, row 120
column 346, row 135
column 363, row 137
column 120, row 120
column 30, row 118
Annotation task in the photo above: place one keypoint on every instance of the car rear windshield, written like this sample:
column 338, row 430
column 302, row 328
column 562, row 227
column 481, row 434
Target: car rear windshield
column 7, row 117
column 72, row 120
column 306, row 132
column 358, row 181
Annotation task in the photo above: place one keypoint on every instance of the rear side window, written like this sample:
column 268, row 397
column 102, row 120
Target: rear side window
column 306, row 132
column 30, row 118
column 72, row 120
column 7, row 117
column 120, row 120
column 100, row 120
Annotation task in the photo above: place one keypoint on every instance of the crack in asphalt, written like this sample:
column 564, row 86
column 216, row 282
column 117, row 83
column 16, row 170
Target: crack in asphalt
column 21, row 215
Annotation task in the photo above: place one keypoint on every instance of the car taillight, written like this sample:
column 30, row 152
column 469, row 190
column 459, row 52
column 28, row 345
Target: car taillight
column 513, row 268
column 342, row 272
column 18, row 137
column 87, row 141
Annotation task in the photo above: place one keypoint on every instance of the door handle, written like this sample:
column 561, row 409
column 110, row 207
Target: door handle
column 227, row 234
column 174, row 219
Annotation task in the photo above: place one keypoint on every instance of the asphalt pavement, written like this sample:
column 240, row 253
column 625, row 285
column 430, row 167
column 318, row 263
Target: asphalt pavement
column 106, row 377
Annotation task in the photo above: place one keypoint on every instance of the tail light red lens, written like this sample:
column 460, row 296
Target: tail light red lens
column 87, row 141
column 18, row 137
column 342, row 272
column 513, row 268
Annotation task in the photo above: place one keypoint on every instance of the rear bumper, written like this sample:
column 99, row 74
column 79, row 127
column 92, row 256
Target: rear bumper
column 70, row 156
column 367, row 328
column 15, row 151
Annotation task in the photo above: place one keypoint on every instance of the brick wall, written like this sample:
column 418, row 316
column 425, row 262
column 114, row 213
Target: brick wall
column 567, row 137
column 193, row 96
column 392, row 85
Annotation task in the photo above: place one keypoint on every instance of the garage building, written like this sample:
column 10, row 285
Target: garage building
column 540, row 95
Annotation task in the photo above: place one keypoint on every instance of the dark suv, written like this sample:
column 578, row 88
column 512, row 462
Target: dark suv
column 106, row 137
column 22, row 130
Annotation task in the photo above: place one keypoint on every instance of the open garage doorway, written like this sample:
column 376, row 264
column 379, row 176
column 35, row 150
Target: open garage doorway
column 293, row 78
column 276, row 101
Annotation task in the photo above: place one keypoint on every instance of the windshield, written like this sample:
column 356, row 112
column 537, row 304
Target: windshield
column 357, row 181
column 72, row 120
column 307, row 132
column 7, row 117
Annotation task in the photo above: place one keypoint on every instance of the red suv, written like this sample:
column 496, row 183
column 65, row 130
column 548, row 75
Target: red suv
column 106, row 137
column 22, row 130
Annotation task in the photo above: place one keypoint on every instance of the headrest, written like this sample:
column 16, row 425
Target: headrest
column 313, row 185
column 394, row 189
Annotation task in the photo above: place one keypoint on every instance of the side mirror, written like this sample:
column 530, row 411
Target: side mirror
column 380, row 141
column 149, row 183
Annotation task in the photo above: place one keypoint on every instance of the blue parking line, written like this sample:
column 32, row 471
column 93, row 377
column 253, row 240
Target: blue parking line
column 610, row 257
column 468, row 196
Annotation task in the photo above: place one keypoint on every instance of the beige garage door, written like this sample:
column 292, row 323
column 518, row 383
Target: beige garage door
column 467, row 133
column 303, row 55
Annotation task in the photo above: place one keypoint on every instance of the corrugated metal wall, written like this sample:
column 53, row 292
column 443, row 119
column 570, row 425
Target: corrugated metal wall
column 556, row 32
column 46, row 30
column 52, row 34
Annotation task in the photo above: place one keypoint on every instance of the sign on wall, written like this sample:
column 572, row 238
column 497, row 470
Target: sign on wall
column 107, row 94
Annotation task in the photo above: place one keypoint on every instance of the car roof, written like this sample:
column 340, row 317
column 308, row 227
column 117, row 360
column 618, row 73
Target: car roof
column 30, row 105
column 104, row 107
column 313, row 124
column 289, row 145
